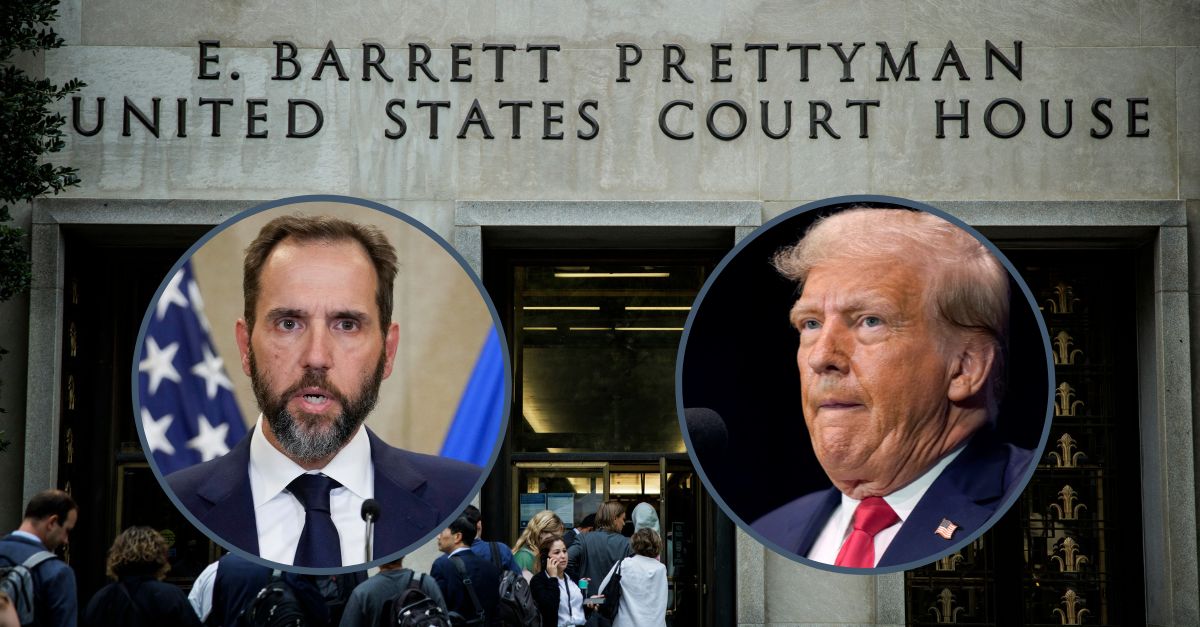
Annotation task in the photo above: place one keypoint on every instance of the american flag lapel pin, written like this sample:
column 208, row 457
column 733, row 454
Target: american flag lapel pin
column 946, row 528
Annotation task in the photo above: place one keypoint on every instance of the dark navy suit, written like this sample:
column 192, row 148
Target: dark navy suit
column 415, row 493
column 967, row 493
column 54, row 602
column 485, row 578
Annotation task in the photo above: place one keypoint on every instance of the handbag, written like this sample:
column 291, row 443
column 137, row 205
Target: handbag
column 612, row 594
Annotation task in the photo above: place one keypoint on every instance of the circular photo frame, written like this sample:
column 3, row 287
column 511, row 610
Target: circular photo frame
column 300, row 413
column 887, row 370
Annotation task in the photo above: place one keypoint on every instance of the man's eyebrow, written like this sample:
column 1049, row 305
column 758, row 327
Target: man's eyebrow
column 350, row 314
column 340, row 314
column 285, row 312
column 866, row 301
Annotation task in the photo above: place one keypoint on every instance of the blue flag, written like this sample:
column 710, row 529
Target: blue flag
column 185, row 400
column 476, row 425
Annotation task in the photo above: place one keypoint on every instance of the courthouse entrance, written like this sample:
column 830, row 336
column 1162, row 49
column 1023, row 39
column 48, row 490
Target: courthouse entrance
column 594, row 337
column 101, row 461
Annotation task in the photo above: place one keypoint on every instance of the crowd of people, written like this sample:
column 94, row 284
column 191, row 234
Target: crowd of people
column 592, row 574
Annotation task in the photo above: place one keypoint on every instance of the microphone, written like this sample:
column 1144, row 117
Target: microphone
column 370, row 514
column 709, row 435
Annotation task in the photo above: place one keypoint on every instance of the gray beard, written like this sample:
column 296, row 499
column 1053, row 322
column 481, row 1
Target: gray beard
column 301, row 436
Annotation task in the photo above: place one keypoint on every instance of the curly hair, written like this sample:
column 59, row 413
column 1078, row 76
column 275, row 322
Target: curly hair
column 541, row 522
column 138, row 550
column 646, row 542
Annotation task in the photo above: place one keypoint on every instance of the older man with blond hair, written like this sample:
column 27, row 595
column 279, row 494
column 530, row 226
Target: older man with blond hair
column 903, row 320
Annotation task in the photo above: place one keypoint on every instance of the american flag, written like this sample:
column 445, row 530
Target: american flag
column 946, row 529
column 186, row 405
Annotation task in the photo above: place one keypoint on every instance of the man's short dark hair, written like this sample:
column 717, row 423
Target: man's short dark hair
column 320, row 229
column 49, row 503
column 465, row 527
column 588, row 522
column 472, row 514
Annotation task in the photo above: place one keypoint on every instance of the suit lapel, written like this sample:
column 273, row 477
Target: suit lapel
column 965, row 494
column 808, row 528
column 231, row 503
column 405, row 516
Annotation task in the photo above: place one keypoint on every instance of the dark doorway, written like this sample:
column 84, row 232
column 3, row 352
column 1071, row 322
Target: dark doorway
column 110, row 276
column 594, row 333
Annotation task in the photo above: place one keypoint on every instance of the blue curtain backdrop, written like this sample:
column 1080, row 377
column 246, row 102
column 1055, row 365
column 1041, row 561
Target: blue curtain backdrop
column 476, row 425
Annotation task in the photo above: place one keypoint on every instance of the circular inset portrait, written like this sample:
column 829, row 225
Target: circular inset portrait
column 321, row 383
column 887, row 371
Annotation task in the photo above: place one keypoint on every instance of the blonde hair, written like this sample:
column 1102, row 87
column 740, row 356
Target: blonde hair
column 138, row 550
column 968, row 285
column 541, row 522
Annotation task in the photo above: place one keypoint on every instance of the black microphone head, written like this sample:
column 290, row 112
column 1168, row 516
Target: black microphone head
column 709, row 435
column 370, row 509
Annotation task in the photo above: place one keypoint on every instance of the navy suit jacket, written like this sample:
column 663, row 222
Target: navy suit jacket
column 54, row 603
column 485, row 578
column 415, row 493
column 967, row 493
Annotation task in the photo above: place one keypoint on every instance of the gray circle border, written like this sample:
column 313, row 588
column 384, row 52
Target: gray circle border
column 824, row 204
column 411, row 221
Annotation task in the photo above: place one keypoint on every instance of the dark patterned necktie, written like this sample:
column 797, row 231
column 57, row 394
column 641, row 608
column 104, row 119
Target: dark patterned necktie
column 319, row 544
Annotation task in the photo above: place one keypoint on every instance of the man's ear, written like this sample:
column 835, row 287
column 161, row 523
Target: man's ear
column 971, row 367
column 390, row 343
column 242, row 333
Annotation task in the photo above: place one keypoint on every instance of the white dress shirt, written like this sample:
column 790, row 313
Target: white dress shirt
column 902, row 501
column 570, row 603
column 279, row 516
column 201, row 595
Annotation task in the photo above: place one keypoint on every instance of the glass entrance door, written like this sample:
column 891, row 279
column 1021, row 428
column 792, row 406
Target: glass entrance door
column 594, row 336
column 669, row 485
column 688, row 544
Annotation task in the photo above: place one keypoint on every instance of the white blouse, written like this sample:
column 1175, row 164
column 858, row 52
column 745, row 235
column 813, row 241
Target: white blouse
column 643, row 592
column 570, row 603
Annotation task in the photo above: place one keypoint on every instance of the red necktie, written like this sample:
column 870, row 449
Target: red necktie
column 871, row 516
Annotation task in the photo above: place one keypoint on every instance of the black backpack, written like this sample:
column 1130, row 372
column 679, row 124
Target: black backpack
column 413, row 608
column 516, row 608
column 274, row 606
column 17, row 582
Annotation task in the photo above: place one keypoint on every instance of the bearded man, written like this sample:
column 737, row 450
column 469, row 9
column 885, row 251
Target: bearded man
column 317, row 339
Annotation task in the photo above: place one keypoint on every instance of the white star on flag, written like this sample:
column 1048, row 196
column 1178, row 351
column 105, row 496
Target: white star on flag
column 158, row 363
column 198, row 306
column 210, row 442
column 156, row 432
column 212, row 370
column 171, row 296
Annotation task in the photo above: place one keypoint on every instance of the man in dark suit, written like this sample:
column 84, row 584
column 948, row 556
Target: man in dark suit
column 455, row 541
column 317, row 339
column 902, row 319
column 49, row 518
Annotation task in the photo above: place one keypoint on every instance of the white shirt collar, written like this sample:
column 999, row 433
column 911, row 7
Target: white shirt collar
column 351, row 467
column 904, row 500
column 457, row 551
column 27, row 536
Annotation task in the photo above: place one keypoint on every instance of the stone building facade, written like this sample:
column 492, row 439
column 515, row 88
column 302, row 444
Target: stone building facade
column 1068, row 132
